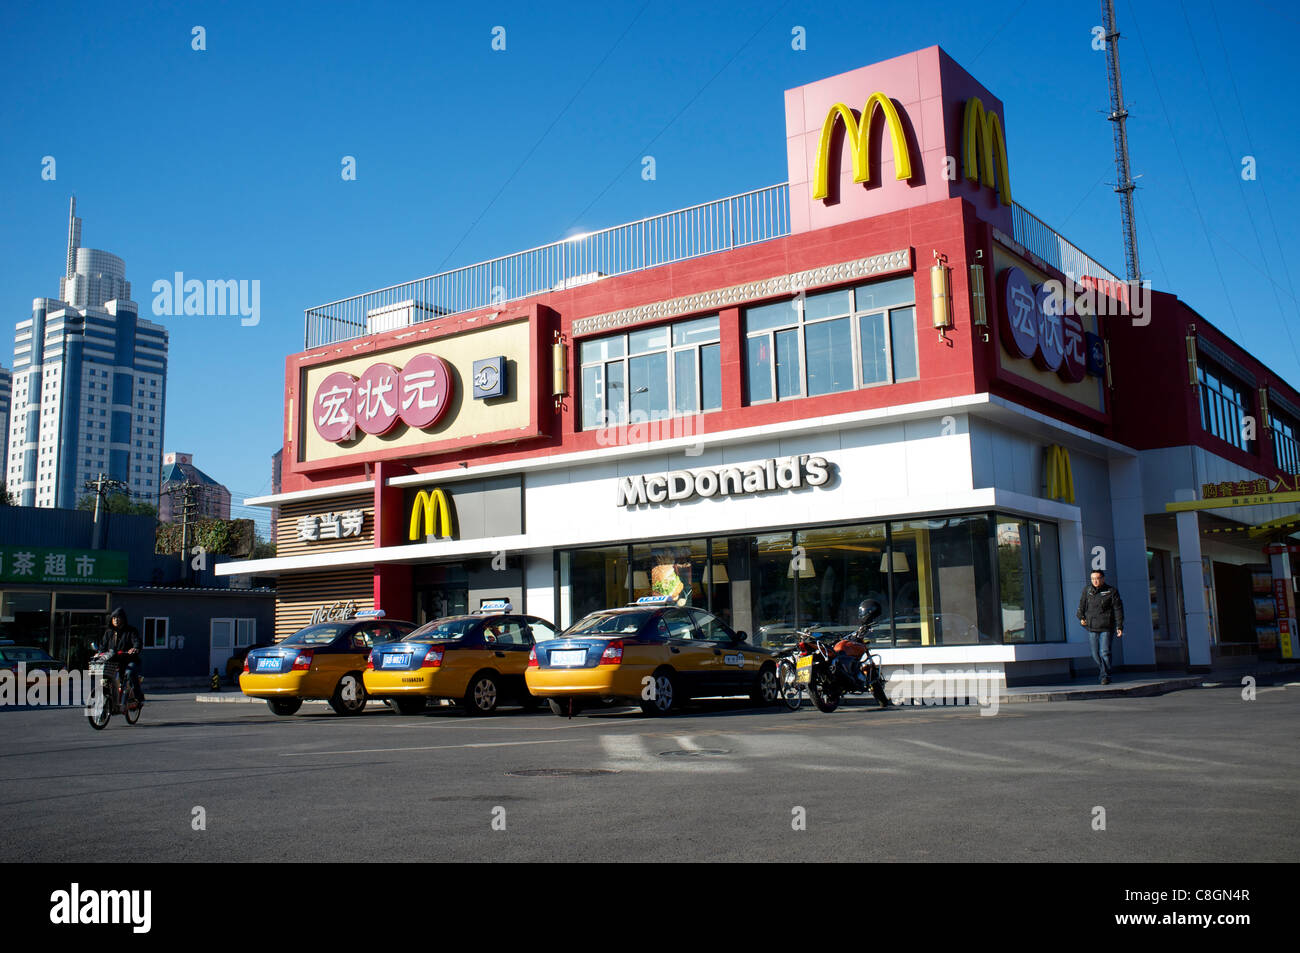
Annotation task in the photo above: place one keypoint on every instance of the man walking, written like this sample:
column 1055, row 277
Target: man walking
column 1101, row 611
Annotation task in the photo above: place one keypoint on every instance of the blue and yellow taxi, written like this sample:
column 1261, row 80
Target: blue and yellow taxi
column 321, row 661
column 653, row 653
column 476, row 660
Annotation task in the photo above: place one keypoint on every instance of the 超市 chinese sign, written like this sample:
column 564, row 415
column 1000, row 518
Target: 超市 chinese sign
column 44, row 566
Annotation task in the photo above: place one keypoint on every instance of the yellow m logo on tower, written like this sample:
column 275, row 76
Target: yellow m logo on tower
column 1060, row 478
column 436, row 510
column 985, row 149
column 858, row 137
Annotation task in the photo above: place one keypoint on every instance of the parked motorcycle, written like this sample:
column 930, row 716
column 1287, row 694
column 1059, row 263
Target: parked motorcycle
column 109, row 696
column 830, row 666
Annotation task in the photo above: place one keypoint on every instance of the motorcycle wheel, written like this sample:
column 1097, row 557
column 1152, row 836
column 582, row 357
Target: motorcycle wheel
column 824, row 697
column 878, row 690
column 788, row 688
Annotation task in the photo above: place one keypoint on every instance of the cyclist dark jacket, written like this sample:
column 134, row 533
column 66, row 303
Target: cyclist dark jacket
column 1100, row 608
column 120, row 641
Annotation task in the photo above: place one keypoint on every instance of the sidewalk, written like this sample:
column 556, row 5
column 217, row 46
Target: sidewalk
column 1139, row 684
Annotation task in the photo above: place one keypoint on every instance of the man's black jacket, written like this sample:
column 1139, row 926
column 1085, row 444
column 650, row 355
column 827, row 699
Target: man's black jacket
column 120, row 641
column 1101, row 608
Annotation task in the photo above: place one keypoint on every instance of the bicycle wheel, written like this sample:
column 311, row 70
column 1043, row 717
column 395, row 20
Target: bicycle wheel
column 132, row 707
column 788, row 687
column 100, row 711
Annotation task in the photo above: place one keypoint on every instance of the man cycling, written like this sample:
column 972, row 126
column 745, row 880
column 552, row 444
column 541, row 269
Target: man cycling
column 123, row 640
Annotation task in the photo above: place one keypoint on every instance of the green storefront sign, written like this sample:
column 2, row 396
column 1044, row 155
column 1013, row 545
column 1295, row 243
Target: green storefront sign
column 38, row 565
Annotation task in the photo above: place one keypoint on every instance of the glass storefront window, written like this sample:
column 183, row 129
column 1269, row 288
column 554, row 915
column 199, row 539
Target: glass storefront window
column 25, row 618
column 949, row 580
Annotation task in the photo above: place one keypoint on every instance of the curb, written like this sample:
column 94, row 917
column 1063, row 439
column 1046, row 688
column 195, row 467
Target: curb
column 1117, row 691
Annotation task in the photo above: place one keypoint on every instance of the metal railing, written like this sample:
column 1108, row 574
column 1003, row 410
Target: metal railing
column 1052, row 247
column 745, row 219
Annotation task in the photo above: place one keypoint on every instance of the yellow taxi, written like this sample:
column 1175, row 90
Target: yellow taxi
column 653, row 653
column 321, row 661
column 477, row 660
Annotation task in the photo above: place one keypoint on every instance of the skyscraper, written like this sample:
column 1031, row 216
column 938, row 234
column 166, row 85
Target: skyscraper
column 89, row 386
column 6, row 388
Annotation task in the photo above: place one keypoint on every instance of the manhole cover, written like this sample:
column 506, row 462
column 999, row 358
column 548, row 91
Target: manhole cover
column 559, row 773
column 694, row 753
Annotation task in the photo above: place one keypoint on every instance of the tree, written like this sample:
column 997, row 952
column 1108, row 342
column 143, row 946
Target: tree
column 7, row 498
column 119, row 503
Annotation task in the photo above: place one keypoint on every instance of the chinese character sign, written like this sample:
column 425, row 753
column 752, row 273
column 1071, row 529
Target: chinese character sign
column 42, row 564
column 1074, row 359
column 1019, row 314
column 334, row 409
column 1051, row 331
column 418, row 395
column 340, row 525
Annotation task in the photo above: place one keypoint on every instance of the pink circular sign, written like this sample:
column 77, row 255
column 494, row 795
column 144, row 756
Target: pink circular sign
column 424, row 390
column 377, row 399
column 333, row 410
column 1051, row 333
column 1075, row 362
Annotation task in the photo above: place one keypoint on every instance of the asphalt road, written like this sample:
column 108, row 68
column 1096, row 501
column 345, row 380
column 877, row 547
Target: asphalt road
column 1199, row 775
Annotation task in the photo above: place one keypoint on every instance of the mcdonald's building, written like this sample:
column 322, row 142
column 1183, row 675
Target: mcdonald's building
column 881, row 379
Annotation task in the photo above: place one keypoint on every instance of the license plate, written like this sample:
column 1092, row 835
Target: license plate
column 574, row 657
column 803, row 667
column 268, row 664
column 397, row 661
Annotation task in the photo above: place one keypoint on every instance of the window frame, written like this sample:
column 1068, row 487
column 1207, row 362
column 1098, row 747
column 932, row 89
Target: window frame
column 601, row 367
column 800, row 323
column 144, row 631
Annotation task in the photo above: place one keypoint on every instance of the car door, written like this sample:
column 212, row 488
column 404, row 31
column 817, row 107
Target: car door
column 510, row 649
column 733, row 669
column 693, row 658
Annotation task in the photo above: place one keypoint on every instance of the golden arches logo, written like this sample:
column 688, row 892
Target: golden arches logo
column 985, row 149
column 1060, row 477
column 858, row 137
column 434, row 506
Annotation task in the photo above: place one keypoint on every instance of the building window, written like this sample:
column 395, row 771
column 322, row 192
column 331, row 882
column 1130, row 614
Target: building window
column 155, row 633
column 1286, row 451
column 658, row 372
column 245, row 632
column 831, row 342
column 1224, row 405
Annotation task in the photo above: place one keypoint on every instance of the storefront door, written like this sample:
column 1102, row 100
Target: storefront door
column 74, row 631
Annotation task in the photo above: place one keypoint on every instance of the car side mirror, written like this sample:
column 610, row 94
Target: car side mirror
column 742, row 636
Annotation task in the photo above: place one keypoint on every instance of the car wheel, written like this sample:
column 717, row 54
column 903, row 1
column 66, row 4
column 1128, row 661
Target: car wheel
column 767, row 691
column 664, row 696
column 409, row 706
column 349, row 695
column 564, row 707
column 482, row 695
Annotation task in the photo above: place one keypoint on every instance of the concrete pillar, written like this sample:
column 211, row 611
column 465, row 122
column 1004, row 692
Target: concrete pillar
column 1195, row 612
column 1074, row 576
column 1137, row 649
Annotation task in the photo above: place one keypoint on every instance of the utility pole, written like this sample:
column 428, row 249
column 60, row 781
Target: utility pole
column 1118, row 115
column 188, row 507
column 101, row 486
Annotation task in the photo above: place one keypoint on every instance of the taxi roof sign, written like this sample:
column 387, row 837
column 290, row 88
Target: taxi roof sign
column 369, row 614
column 494, row 606
column 653, row 601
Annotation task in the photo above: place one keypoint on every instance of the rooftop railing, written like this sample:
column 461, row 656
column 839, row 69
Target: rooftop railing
column 745, row 219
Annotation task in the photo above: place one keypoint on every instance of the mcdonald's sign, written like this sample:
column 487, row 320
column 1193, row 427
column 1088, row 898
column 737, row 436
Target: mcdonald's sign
column 985, row 149
column 1060, row 478
column 858, row 137
column 435, row 509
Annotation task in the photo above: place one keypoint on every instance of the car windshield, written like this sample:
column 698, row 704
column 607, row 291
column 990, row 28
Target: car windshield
column 22, row 653
column 442, row 630
column 322, row 634
column 609, row 623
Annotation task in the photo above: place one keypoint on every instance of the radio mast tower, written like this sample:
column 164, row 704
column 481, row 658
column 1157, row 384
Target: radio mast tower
column 1118, row 114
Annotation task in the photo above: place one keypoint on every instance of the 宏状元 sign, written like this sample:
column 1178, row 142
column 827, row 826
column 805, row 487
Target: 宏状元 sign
column 417, row 395
column 677, row 485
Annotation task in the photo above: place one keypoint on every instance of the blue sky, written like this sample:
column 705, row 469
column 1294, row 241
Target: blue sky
column 225, row 163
